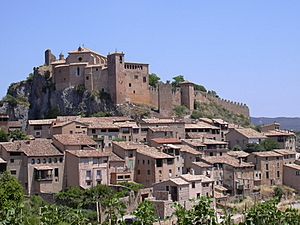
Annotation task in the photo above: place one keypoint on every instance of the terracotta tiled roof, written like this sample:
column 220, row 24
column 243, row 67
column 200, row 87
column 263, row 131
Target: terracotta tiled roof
column 161, row 121
column 226, row 159
column 62, row 124
column 88, row 153
column 190, row 177
column 202, row 164
column 38, row 147
column 267, row 154
column 153, row 152
column 161, row 128
column 250, row 133
column 14, row 124
column 130, row 124
column 188, row 149
column 293, row 166
column 285, row 152
column 275, row 133
column 200, row 125
column 166, row 140
column 126, row 145
column 74, row 139
column 238, row 154
column 179, row 181
column 194, row 142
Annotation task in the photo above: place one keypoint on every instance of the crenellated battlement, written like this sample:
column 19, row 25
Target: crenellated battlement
column 232, row 106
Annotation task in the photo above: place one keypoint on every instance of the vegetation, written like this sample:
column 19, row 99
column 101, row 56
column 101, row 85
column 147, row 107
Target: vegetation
column 132, row 186
column 213, row 93
column 266, row 145
column 181, row 111
column 145, row 214
column 199, row 87
column 17, row 135
column 213, row 110
column 53, row 113
column 3, row 136
column 80, row 89
column 154, row 80
column 101, row 114
column 177, row 80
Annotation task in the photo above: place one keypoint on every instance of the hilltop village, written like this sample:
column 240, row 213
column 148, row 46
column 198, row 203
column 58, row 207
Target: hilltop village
column 175, row 159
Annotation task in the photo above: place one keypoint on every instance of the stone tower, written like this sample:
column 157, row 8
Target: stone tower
column 165, row 103
column 49, row 57
column 187, row 94
column 116, row 76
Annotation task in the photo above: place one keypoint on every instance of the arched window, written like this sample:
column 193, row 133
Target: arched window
column 78, row 71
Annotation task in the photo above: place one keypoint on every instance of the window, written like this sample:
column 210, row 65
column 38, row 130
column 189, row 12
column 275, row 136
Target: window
column 160, row 172
column 56, row 172
column 38, row 161
column 144, row 79
column 267, row 175
column 121, row 59
column 193, row 185
column 170, row 161
column 130, row 154
column 167, row 188
column 129, row 84
column 13, row 172
column 88, row 183
column 12, row 160
column 198, row 195
column 87, row 78
column 93, row 131
column 44, row 160
column 33, row 161
column 278, row 174
column 267, row 166
column 78, row 71
column 138, row 172
column 148, row 172
column 50, row 160
column 55, row 160
column 99, row 173
column 79, row 59
column 170, row 171
column 159, row 163
column 148, row 162
column 88, row 174
column 143, row 161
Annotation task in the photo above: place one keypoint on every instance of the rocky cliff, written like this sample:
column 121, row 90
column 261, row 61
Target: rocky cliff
column 36, row 98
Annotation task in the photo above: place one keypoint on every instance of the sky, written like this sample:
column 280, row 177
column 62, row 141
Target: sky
column 247, row 51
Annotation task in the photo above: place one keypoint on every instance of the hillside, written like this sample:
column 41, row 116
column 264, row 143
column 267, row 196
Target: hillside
column 288, row 123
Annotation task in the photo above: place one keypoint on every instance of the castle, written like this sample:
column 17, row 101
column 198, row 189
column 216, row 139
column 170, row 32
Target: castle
column 126, row 82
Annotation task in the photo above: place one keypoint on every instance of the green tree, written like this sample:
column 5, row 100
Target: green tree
column 3, row 136
column 181, row 111
column 269, row 144
column 199, row 87
column 153, row 80
column 177, row 80
column 145, row 213
column 17, row 135
column 115, row 210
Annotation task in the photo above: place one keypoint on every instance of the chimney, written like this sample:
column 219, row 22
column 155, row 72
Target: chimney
column 192, row 172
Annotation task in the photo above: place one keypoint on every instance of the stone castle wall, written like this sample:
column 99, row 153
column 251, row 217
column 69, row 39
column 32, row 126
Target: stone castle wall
column 235, row 107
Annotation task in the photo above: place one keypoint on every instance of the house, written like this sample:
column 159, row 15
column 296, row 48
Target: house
column 291, row 175
column 289, row 156
column 86, row 168
column 177, row 126
column 73, row 142
column 223, row 125
column 37, row 164
column 240, row 155
column 69, row 127
column 284, row 139
column 201, row 129
column 268, row 167
column 157, row 142
column 208, row 147
column 160, row 132
column 243, row 137
column 40, row 128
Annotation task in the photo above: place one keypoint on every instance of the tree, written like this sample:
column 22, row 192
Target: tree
column 145, row 214
column 181, row 111
column 153, row 80
column 177, row 80
column 199, row 87
column 17, row 135
column 115, row 210
column 3, row 136
column 269, row 144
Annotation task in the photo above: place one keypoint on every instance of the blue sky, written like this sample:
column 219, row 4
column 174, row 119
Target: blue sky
column 247, row 51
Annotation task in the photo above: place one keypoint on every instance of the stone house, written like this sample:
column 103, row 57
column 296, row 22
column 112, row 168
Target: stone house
column 159, row 132
column 285, row 139
column 202, row 129
column 291, row 175
column 208, row 147
column 40, row 128
column 69, row 127
column 37, row 164
column 73, row 142
column 223, row 125
column 242, row 137
column 268, row 167
column 86, row 168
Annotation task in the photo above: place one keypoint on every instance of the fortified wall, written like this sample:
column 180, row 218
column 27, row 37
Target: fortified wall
column 235, row 107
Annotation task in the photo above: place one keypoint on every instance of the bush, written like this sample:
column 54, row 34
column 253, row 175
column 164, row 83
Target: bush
column 181, row 111
column 199, row 87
